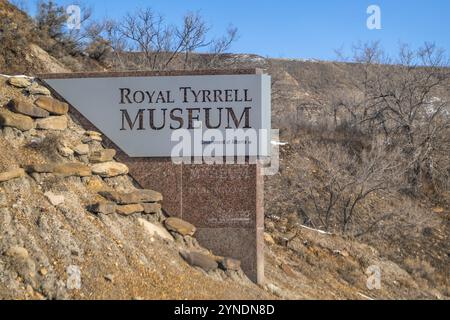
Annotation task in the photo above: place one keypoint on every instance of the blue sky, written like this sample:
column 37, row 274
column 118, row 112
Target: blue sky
column 301, row 29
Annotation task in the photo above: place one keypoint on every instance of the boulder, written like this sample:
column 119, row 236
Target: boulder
column 81, row 149
column 105, row 155
column 230, row 264
column 19, row 82
column 28, row 109
column 152, row 208
column 54, row 199
column 52, row 123
column 154, row 229
column 129, row 209
column 15, row 120
column 36, row 89
column 53, row 106
column 200, row 260
column 10, row 175
column 138, row 196
column 109, row 169
column 103, row 207
column 73, row 169
column 180, row 226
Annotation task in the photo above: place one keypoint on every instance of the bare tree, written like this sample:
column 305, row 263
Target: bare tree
column 149, row 42
column 404, row 102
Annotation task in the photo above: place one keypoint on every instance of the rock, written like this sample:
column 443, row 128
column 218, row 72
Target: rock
column 93, row 134
column 65, row 151
column 101, row 156
column 230, row 264
column 41, row 168
column 28, row 109
column 274, row 290
column 109, row 277
column 134, row 197
column 43, row 272
column 52, row 123
column 109, row 169
column 288, row 270
column 81, row 149
column 129, row 209
column 73, row 169
column 268, row 238
column 103, row 207
column 438, row 210
column 17, row 252
column 53, row 106
column 36, row 89
column 15, row 120
column 152, row 208
column 343, row 253
column 54, row 199
column 19, row 82
column 3, row 199
column 180, row 226
column 73, row 278
column 154, row 229
column 200, row 260
column 10, row 175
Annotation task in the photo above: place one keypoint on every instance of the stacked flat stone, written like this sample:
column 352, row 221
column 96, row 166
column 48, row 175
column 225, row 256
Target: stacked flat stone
column 129, row 203
column 45, row 114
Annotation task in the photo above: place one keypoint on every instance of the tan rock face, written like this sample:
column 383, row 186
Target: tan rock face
column 15, row 120
column 203, row 261
column 28, row 109
column 19, row 82
column 73, row 169
column 52, row 123
column 101, row 156
column 138, row 196
column 109, row 169
column 129, row 209
column 53, row 106
column 10, row 175
column 180, row 226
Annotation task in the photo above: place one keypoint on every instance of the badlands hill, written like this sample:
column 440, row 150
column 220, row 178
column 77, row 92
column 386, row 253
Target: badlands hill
column 65, row 233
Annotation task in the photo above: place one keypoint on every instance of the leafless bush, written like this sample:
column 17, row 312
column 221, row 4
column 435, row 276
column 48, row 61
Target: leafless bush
column 13, row 43
column 341, row 181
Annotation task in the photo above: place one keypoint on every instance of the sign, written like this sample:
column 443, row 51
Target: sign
column 140, row 113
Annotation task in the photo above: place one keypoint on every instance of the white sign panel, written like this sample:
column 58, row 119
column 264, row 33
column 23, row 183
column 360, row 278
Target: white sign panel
column 146, row 116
